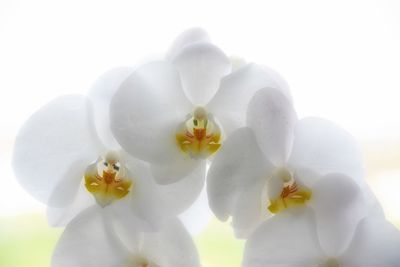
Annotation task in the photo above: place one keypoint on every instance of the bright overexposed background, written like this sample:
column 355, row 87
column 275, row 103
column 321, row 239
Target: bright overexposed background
column 341, row 59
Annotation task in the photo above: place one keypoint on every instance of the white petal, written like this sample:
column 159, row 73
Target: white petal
column 67, row 188
column 375, row 243
column 201, row 67
column 125, row 215
column 277, row 81
column 182, row 194
column 188, row 37
column 323, row 147
column 287, row 240
column 272, row 117
column 87, row 242
column 249, row 210
column 237, row 169
column 101, row 94
column 175, row 171
column 51, row 142
column 148, row 203
column 146, row 112
column 171, row 247
column 59, row 216
column 339, row 205
column 177, row 195
column 236, row 90
column 374, row 207
column 306, row 176
column 198, row 216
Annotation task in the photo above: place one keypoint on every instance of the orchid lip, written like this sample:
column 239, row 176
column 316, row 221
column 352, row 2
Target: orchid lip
column 200, row 135
column 140, row 261
column 106, row 179
column 292, row 193
column 330, row 262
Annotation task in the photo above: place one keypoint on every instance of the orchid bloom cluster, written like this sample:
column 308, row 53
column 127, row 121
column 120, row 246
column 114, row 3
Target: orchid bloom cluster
column 118, row 165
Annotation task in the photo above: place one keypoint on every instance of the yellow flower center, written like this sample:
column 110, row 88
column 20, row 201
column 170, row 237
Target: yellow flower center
column 331, row 262
column 106, row 180
column 199, row 136
column 290, row 195
column 140, row 261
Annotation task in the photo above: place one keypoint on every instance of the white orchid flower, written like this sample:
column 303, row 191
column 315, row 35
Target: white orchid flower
column 176, row 113
column 91, row 240
column 65, row 156
column 330, row 235
column 274, row 162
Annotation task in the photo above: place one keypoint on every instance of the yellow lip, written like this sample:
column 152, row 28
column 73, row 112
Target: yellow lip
column 291, row 195
column 106, row 182
column 199, row 136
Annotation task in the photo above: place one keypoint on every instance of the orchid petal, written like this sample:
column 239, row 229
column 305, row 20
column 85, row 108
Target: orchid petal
column 188, row 37
column 376, row 242
column 175, row 171
column 52, row 141
column 146, row 112
column 339, row 205
column 286, row 240
column 374, row 207
column 323, row 147
column 182, row 194
column 67, row 188
column 149, row 204
column 172, row 246
column 198, row 216
column 238, row 168
column 145, row 200
column 86, row 242
column 272, row 117
column 249, row 210
column 59, row 216
column 201, row 67
column 101, row 94
column 236, row 90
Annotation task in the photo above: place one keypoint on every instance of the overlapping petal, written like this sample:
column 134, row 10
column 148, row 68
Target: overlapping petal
column 150, row 204
column 100, row 95
column 324, row 147
column 87, row 242
column 59, row 142
column 146, row 111
column 52, row 145
column 181, row 194
column 287, row 240
column 238, row 171
column 172, row 172
column 250, row 209
column 201, row 67
column 198, row 216
column 188, row 37
column 61, row 215
column 144, row 202
column 92, row 240
column 339, row 205
column 171, row 246
column 237, row 89
column 376, row 242
column 272, row 117
column 334, row 230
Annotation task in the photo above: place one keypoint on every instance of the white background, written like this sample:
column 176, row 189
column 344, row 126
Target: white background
column 341, row 59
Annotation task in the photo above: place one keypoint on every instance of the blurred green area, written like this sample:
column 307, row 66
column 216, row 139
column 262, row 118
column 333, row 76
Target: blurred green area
column 27, row 241
column 218, row 247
